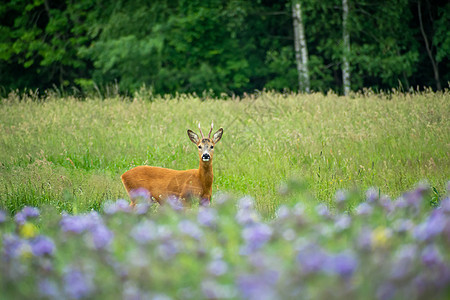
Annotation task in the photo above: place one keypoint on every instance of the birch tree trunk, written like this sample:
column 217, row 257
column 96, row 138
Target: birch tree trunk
column 301, row 50
column 346, row 50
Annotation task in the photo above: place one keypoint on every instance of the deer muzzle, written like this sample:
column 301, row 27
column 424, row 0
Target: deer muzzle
column 206, row 157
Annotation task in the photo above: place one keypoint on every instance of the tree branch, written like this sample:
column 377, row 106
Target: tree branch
column 427, row 46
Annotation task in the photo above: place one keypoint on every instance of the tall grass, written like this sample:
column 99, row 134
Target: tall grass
column 70, row 153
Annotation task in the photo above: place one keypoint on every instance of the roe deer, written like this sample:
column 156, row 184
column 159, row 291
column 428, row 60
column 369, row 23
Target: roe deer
column 162, row 183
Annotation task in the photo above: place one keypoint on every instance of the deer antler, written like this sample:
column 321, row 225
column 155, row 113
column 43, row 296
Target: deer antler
column 212, row 125
column 200, row 130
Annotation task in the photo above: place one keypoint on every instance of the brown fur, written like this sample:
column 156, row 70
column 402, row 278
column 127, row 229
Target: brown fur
column 162, row 183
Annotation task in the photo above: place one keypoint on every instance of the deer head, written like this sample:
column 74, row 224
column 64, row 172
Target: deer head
column 205, row 145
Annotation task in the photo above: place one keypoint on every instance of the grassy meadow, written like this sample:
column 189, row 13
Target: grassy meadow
column 70, row 153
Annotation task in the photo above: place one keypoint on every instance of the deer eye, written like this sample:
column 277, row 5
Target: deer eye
column 199, row 147
column 212, row 147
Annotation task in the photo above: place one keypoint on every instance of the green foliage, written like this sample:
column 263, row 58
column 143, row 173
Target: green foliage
column 386, row 56
column 215, row 45
column 441, row 38
column 188, row 47
column 41, row 44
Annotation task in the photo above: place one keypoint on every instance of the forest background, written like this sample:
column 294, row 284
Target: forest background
column 232, row 47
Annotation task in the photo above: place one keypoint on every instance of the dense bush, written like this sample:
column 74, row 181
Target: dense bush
column 381, row 248
column 224, row 46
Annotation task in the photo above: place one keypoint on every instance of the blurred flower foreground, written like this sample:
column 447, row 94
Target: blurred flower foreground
column 370, row 248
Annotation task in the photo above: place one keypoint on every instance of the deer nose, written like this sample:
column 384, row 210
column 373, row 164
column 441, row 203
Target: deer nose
column 206, row 156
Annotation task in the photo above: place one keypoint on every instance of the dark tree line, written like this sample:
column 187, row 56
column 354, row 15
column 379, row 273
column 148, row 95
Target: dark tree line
column 229, row 46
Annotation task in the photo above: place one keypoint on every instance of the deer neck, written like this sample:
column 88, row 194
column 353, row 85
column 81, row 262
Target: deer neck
column 205, row 173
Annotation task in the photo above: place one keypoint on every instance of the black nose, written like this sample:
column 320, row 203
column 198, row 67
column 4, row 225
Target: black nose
column 206, row 156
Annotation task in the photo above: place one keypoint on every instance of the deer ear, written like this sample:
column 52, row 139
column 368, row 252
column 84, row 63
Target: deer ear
column 193, row 136
column 217, row 136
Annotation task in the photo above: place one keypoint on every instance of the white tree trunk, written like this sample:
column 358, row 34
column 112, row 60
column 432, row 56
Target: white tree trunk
column 301, row 50
column 346, row 50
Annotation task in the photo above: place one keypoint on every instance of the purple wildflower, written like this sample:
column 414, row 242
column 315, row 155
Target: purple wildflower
column 312, row 258
column 403, row 225
column 217, row 267
column 131, row 291
column 46, row 265
column 168, row 248
column 101, row 236
column 444, row 205
column 144, row 232
column 323, row 210
column 20, row 218
column 400, row 203
column 48, row 289
column 214, row 290
column 246, row 213
column 260, row 286
column 12, row 245
column 403, row 262
column 431, row 256
column 164, row 232
column 30, row 212
column 282, row 212
column 246, row 203
column 207, row 216
column 364, row 239
column 443, row 276
column 423, row 188
column 123, row 205
column 73, row 224
column 77, row 284
column 386, row 291
column 26, row 213
column 141, row 208
column 256, row 236
column 139, row 194
column 42, row 245
column 299, row 214
column 372, row 195
column 343, row 264
column 3, row 216
column 158, row 297
column 91, row 222
column 341, row 197
column 204, row 202
column 422, row 285
column 260, row 261
column 387, row 204
column 247, row 216
column 79, row 223
column 364, row 209
column 414, row 198
column 191, row 229
column 221, row 198
column 432, row 227
column 109, row 207
column 175, row 203
column 342, row 222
